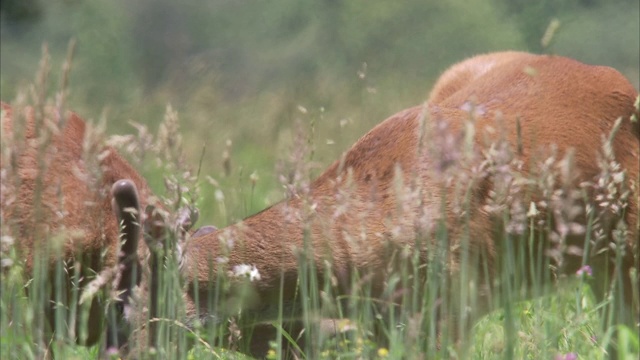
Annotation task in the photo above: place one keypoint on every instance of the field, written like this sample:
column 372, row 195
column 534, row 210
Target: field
column 242, row 133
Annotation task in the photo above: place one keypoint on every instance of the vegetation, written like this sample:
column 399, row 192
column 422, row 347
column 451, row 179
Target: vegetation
column 253, row 80
column 240, row 70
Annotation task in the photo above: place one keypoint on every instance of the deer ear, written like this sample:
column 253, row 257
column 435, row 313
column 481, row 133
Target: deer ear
column 207, row 229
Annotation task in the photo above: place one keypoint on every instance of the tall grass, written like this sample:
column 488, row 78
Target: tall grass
column 426, row 309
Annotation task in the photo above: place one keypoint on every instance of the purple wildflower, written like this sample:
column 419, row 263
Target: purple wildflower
column 585, row 270
column 567, row 356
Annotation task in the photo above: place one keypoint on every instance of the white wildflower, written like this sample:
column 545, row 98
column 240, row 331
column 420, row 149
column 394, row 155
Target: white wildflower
column 248, row 271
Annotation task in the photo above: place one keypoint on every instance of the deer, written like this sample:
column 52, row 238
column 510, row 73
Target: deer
column 434, row 169
column 404, row 181
column 69, row 199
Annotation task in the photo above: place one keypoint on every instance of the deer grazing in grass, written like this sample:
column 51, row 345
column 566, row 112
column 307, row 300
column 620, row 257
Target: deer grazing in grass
column 438, row 184
column 441, row 168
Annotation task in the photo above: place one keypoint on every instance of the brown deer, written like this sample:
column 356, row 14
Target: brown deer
column 57, row 190
column 406, row 180
column 397, row 190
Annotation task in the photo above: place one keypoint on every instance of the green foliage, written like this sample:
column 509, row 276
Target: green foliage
column 250, row 72
column 613, row 27
column 238, row 70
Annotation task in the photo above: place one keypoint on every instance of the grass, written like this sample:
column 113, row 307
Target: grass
column 564, row 322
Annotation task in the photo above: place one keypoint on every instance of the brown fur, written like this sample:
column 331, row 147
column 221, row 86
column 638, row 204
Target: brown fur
column 557, row 100
column 74, row 208
column 387, row 191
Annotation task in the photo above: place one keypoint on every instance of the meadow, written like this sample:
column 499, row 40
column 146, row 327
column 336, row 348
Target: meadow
column 235, row 127
column 562, row 322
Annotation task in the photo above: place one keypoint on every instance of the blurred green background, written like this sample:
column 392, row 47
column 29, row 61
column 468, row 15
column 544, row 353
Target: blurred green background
column 248, row 71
